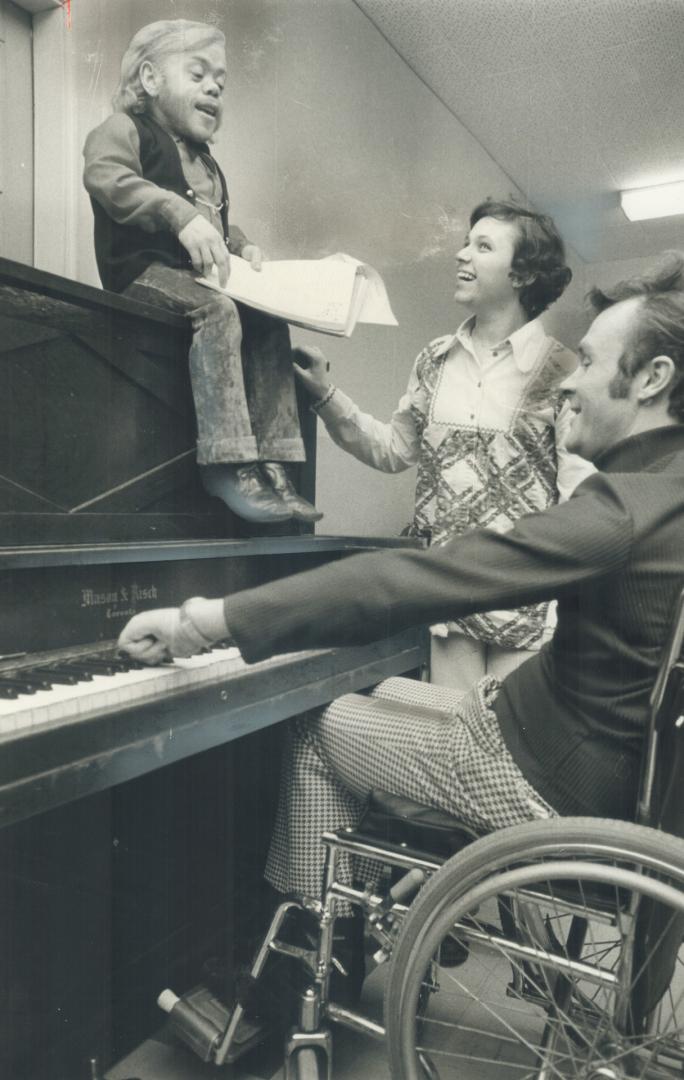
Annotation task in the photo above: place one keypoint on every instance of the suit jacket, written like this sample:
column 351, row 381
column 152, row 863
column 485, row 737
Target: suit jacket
column 573, row 716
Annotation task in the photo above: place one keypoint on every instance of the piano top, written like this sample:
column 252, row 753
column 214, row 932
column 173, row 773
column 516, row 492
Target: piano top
column 54, row 555
column 19, row 283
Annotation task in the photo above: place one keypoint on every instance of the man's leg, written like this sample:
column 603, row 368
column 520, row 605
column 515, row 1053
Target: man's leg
column 223, row 422
column 226, row 446
column 447, row 755
column 270, row 386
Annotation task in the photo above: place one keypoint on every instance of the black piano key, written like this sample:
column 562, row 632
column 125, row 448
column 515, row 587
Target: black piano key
column 33, row 678
column 8, row 691
column 93, row 667
column 130, row 663
column 19, row 685
column 113, row 663
column 61, row 675
column 76, row 672
column 29, row 677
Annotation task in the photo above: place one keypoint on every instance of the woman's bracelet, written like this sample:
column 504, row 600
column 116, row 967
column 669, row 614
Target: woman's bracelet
column 328, row 396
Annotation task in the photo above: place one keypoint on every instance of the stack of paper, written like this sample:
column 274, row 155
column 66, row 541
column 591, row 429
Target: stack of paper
column 330, row 295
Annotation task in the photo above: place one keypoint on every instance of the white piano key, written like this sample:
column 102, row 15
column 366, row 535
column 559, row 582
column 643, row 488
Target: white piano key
column 104, row 693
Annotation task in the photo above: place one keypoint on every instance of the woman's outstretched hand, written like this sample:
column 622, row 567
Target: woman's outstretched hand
column 312, row 368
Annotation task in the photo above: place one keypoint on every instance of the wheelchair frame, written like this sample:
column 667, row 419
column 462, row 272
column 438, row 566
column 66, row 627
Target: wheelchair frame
column 643, row 870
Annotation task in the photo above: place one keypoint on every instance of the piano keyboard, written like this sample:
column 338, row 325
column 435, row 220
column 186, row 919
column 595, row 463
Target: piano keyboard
column 96, row 692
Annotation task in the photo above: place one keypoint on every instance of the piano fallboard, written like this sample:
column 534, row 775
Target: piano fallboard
column 59, row 597
column 45, row 765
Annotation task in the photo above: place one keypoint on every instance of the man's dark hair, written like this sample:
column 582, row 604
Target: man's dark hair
column 659, row 326
column 539, row 253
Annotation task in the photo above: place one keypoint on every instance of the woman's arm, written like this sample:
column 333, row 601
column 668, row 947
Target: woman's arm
column 390, row 447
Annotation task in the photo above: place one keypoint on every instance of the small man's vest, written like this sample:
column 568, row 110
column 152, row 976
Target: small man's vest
column 124, row 251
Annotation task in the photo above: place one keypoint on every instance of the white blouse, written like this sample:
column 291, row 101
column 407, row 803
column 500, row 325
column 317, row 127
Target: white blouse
column 487, row 431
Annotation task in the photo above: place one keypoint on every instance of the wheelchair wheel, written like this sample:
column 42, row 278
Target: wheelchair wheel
column 551, row 949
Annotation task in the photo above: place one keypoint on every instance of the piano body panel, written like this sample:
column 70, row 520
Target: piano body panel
column 97, row 422
column 56, row 943
column 132, row 839
column 86, row 594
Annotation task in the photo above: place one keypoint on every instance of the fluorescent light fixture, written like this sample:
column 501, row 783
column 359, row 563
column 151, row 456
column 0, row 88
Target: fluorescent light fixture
column 663, row 200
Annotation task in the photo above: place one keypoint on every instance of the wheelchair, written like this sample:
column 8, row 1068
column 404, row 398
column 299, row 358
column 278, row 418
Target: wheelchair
column 551, row 949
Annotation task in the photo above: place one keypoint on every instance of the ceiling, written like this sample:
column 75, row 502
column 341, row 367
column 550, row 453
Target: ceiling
column 574, row 99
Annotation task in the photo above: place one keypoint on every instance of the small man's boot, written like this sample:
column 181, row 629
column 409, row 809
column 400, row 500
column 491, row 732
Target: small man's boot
column 244, row 491
column 300, row 509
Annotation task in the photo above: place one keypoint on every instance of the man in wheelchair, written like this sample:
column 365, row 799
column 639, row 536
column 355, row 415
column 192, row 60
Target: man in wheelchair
column 563, row 734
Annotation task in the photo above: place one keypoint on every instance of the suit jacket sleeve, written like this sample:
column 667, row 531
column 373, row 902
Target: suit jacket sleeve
column 371, row 596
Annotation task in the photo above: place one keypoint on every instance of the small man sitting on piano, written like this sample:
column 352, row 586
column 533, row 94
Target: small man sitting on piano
column 161, row 219
column 563, row 733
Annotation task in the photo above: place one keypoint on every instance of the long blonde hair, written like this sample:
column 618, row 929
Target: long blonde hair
column 154, row 43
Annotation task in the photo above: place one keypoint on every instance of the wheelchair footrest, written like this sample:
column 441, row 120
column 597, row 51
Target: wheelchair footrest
column 200, row 1020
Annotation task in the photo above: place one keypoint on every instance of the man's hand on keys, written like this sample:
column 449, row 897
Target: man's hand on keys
column 155, row 636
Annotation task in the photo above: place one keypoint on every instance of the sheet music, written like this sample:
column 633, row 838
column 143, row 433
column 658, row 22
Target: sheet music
column 329, row 294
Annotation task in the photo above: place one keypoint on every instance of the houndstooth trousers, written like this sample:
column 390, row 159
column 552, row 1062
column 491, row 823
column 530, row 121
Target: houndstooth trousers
column 408, row 738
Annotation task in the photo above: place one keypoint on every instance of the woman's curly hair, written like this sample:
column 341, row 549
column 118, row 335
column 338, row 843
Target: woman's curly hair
column 539, row 255
column 154, row 43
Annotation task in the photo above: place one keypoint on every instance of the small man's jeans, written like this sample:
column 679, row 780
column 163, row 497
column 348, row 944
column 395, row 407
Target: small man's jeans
column 240, row 369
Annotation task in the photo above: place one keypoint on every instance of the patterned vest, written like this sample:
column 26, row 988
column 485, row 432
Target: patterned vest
column 479, row 477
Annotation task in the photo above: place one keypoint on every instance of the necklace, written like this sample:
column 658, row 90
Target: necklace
column 215, row 207
column 214, row 204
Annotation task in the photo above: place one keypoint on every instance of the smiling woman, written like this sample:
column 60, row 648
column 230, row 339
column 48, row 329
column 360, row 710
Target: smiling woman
column 483, row 420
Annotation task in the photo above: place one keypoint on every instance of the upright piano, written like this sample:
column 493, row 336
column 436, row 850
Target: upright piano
column 135, row 803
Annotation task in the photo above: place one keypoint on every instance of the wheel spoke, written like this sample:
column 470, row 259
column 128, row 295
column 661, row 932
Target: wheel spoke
column 589, row 941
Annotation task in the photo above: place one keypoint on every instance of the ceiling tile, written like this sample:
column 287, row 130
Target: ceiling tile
column 574, row 99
